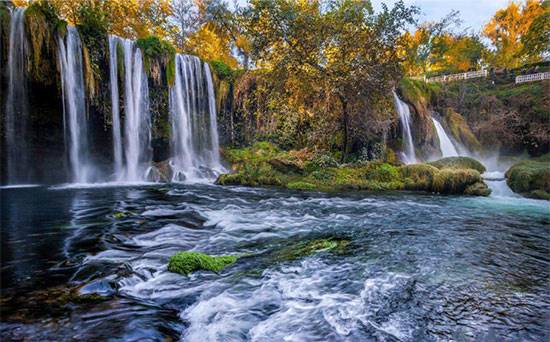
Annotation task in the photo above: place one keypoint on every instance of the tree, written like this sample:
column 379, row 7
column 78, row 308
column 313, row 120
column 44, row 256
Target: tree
column 185, row 13
column 508, row 27
column 339, row 49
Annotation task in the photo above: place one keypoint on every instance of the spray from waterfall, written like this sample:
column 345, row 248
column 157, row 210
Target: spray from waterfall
column 74, row 106
column 195, row 143
column 408, row 155
column 17, row 113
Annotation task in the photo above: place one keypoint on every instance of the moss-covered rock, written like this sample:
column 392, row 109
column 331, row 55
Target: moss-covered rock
column 458, row 163
column 530, row 178
column 306, row 248
column 418, row 176
column 188, row 262
column 478, row 189
column 460, row 130
column 455, row 181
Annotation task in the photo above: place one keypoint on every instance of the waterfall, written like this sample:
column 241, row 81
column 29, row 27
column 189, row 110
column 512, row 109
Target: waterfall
column 445, row 143
column 74, row 106
column 194, row 145
column 17, row 103
column 133, row 154
column 115, row 108
column 136, row 115
column 404, row 112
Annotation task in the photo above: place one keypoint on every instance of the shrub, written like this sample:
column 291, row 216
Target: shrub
column 381, row 172
column 458, row 163
column 320, row 162
column 188, row 262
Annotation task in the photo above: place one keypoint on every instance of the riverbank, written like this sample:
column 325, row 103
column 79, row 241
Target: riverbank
column 263, row 164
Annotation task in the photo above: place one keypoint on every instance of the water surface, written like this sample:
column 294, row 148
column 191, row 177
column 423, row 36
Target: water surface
column 90, row 264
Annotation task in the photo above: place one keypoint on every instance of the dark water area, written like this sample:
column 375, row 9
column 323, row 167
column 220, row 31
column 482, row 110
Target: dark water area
column 90, row 264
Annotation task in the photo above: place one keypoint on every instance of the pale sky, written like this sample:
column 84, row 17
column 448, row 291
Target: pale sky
column 474, row 13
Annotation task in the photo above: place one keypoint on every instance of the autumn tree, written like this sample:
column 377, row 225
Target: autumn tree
column 338, row 48
column 509, row 30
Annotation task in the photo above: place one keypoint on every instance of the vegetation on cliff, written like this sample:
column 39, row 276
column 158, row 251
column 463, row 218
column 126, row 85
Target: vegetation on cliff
column 531, row 178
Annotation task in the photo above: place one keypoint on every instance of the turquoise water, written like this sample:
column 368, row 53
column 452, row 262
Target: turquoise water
column 418, row 267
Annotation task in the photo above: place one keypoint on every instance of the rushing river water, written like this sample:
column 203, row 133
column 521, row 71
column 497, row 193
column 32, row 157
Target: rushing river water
column 418, row 267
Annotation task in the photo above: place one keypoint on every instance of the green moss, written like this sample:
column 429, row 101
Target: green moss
column 301, row 186
column 222, row 70
column 461, row 130
column 156, row 51
column 454, row 181
column 120, row 215
column 307, row 248
column 530, row 177
column 458, row 163
column 418, row 90
column 478, row 189
column 418, row 176
column 188, row 262
column 41, row 24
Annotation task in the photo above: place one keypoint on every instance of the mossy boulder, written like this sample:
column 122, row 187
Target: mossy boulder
column 418, row 176
column 307, row 248
column 478, row 189
column 458, row 163
column 455, row 181
column 460, row 130
column 531, row 178
column 187, row 262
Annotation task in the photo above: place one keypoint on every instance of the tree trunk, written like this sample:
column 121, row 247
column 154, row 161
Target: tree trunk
column 345, row 127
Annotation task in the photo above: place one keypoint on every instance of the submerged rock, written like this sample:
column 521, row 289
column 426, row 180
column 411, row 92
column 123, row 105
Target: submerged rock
column 530, row 178
column 307, row 248
column 187, row 262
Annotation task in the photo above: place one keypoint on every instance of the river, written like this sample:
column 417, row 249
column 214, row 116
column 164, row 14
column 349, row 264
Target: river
column 418, row 266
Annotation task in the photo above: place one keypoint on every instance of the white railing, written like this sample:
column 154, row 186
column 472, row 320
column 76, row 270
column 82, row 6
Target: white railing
column 533, row 77
column 461, row 76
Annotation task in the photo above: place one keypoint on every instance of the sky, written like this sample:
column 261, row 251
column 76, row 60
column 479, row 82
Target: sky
column 474, row 13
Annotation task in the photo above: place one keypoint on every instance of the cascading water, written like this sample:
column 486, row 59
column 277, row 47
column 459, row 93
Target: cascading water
column 445, row 143
column 408, row 156
column 115, row 108
column 17, row 170
column 195, row 145
column 133, row 154
column 136, row 115
column 74, row 106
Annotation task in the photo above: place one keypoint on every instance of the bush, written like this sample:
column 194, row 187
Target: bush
column 381, row 172
column 188, row 262
column 458, row 163
column 319, row 162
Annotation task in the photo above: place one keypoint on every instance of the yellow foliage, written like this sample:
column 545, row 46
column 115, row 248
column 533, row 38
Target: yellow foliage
column 507, row 27
column 208, row 45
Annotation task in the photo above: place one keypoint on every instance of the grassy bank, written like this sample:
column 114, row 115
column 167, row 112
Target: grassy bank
column 264, row 164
